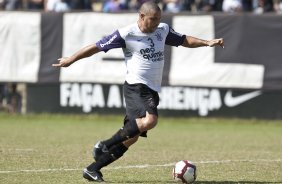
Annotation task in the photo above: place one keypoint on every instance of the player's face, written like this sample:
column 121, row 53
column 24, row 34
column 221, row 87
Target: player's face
column 151, row 22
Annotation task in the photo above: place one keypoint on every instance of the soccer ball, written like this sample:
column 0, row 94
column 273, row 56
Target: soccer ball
column 184, row 171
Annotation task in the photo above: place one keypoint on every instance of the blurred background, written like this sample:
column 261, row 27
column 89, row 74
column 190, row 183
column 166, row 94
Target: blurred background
column 174, row 6
column 242, row 80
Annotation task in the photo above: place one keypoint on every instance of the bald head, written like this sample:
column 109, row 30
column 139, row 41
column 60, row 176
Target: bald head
column 149, row 8
column 149, row 17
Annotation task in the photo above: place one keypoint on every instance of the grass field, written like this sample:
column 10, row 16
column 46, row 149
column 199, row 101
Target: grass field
column 55, row 148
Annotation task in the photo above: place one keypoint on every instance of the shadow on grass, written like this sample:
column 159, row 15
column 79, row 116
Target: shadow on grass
column 233, row 182
column 202, row 182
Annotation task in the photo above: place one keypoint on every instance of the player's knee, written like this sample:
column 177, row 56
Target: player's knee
column 149, row 122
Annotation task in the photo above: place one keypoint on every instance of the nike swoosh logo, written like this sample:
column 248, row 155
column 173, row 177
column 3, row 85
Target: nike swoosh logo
column 89, row 174
column 232, row 101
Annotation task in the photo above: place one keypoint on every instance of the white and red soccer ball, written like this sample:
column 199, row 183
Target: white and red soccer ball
column 184, row 171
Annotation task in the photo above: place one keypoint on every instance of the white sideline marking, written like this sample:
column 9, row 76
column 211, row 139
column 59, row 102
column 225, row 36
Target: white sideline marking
column 18, row 149
column 142, row 166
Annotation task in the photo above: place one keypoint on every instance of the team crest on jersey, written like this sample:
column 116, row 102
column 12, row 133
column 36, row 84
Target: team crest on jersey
column 161, row 28
column 159, row 36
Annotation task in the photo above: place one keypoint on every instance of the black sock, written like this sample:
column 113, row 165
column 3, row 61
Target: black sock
column 114, row 153
column 129, row 130
column 104, row 160
column 92, row 167
column 118, row 150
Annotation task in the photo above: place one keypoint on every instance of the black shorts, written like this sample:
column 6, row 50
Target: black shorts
column 139, row 99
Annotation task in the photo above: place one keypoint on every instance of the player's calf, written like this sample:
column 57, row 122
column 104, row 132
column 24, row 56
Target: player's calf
column 99, row 149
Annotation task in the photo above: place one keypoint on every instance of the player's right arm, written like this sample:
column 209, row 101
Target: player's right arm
column 107, row 43
column 82, row 53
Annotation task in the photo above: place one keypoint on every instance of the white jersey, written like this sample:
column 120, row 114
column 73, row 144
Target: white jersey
column 144, row 52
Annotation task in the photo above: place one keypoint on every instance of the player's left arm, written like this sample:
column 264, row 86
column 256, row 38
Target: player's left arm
column 193, row 42
column 176, row 39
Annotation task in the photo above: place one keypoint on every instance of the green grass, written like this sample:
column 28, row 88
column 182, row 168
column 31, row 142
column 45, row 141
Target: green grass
column 248, row 151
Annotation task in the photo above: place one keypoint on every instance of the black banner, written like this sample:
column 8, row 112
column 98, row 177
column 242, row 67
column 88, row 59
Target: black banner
column 174, row 101
column 51, row 46
column 252, row 39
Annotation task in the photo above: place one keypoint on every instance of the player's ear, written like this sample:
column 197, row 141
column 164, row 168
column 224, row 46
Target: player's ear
column 141, row 15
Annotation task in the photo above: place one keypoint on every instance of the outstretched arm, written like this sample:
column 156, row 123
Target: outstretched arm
column 82, row 53
column 193, row 42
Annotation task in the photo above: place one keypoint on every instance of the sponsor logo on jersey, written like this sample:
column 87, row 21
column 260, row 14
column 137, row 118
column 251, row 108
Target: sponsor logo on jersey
column 108, row 42
column 150, row 54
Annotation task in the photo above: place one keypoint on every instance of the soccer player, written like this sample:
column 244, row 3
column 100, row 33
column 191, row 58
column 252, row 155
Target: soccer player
column 143, row 47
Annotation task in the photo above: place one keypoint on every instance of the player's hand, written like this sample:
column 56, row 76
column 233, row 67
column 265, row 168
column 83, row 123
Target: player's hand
column 63, row 62
column 216, row 42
